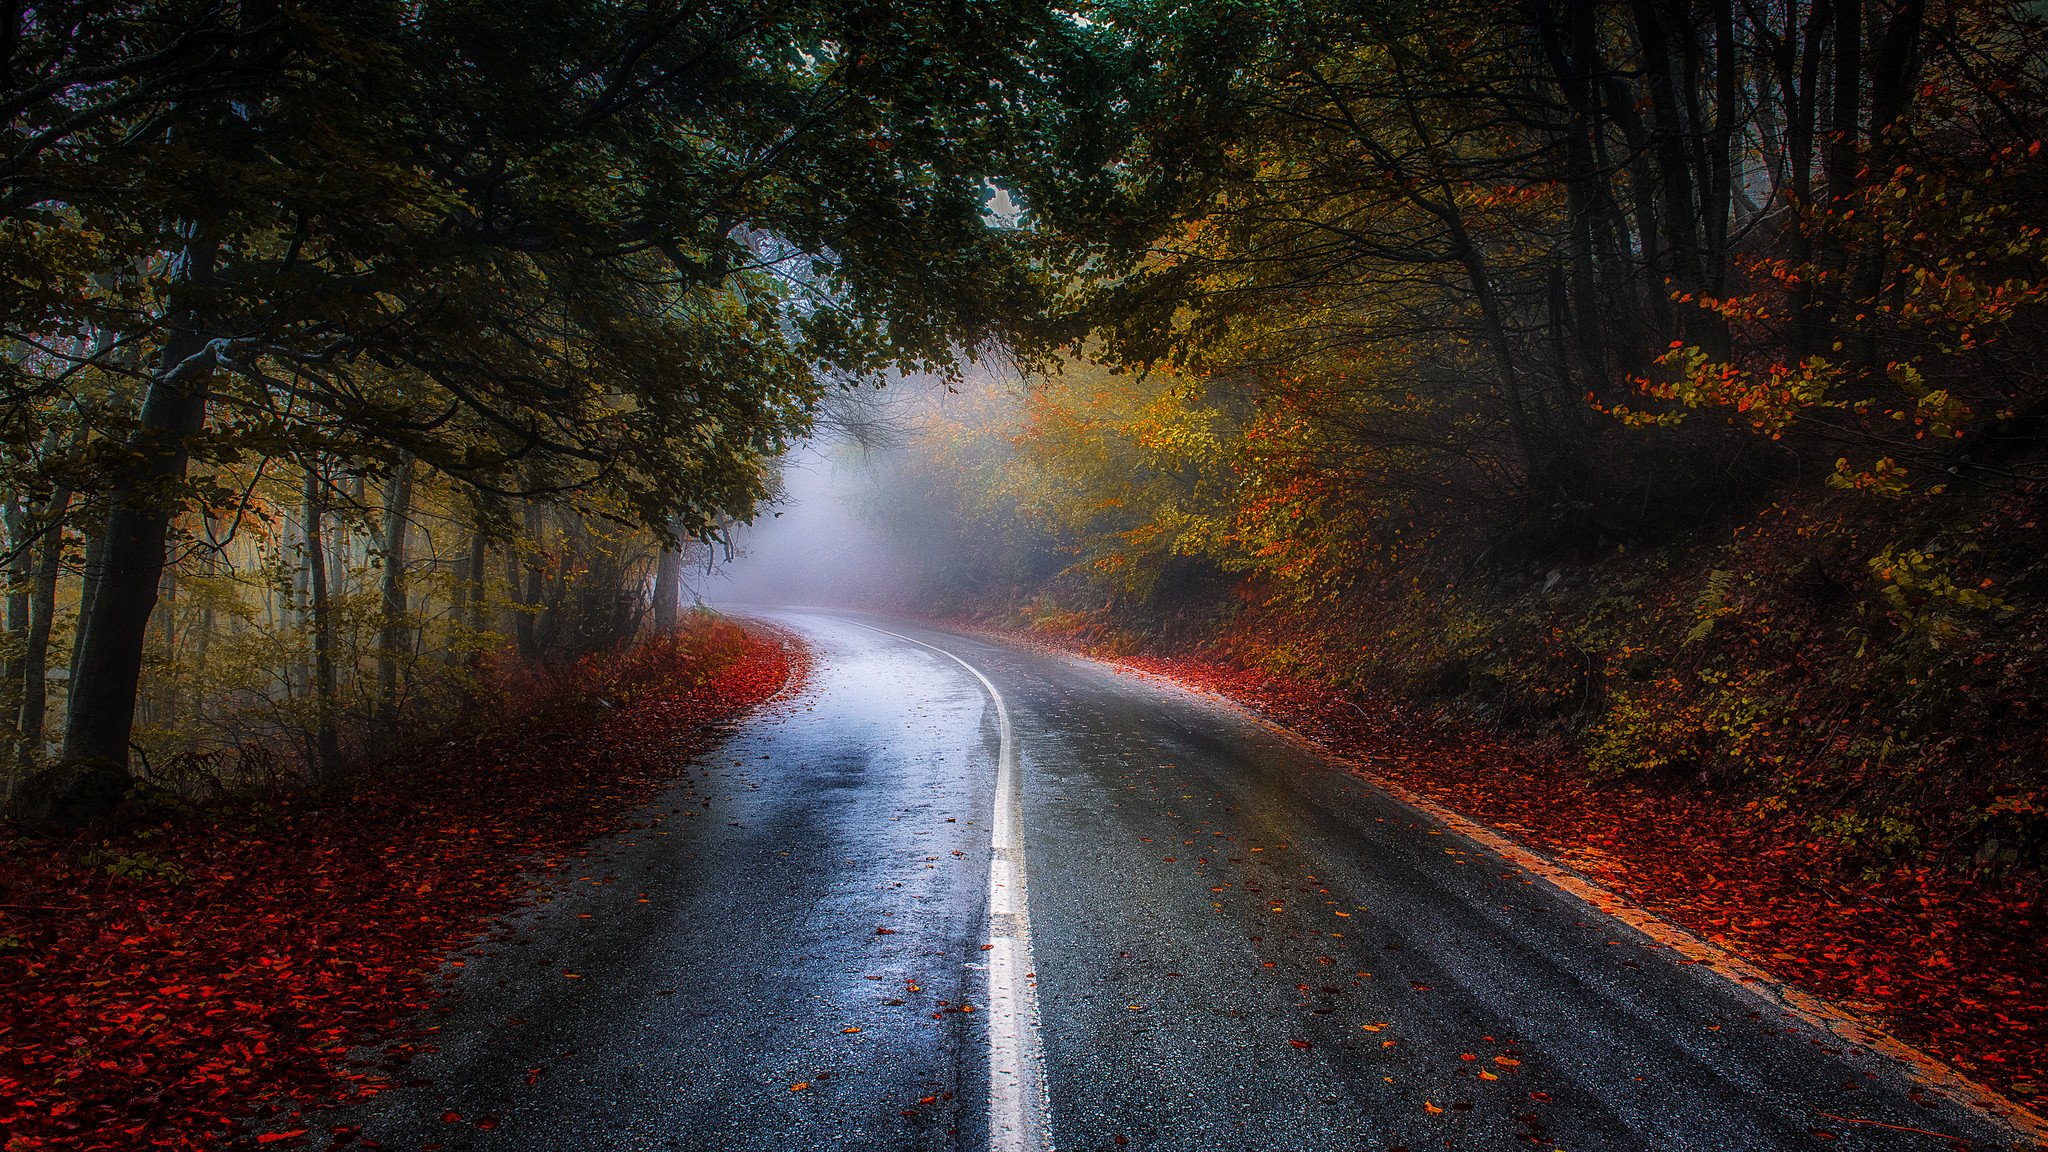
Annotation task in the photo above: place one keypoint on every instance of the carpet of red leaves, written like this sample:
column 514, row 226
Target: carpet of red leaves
column 1954, row 963
column 159, row 989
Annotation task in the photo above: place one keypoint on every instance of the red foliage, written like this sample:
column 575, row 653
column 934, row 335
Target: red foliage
column 158, row 989
column 1953, row 963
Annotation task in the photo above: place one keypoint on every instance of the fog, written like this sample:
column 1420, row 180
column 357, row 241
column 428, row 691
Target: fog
column 813, row 547
column 823, row 542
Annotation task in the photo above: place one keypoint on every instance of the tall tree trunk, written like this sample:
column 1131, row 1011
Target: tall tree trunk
column 1571, row 49
column 95, row 562
column 458, row 609
column 668, row 589
column 92, row 777
column 1717, row 203
column 1838, row 157
column 479, row 555
column 522, row 612
column 42, row 613
column 326, row 738
column 1893, row 76
column 20, row 571
column 1676, row 181
column 392, row 641
column 168, row 701
column 531, row 600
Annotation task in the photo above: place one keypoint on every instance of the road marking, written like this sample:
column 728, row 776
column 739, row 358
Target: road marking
column 1020, row 1114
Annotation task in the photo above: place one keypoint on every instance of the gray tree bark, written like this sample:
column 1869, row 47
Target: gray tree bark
column 394, row 640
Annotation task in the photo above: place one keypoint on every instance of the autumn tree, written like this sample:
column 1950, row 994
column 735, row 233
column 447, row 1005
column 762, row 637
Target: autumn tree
column 606, row 262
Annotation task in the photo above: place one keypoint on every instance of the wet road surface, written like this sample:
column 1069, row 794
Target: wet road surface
column 1224, row 943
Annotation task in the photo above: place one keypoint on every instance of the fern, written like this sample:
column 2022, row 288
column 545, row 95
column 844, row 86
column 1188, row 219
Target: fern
column 1711, row 605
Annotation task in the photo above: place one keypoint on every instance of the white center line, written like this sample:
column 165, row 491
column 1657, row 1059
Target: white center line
column 1019, row 1112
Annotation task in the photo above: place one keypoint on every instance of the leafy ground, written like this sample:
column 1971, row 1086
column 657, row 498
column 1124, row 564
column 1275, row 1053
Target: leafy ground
column 160, row 989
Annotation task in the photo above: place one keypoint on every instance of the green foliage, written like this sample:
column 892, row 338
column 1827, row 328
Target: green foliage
column 1719, row 722
column 1924, row 597
column 136, row 866
column 1711, row 606
column 598, row 277
column 1885, row 836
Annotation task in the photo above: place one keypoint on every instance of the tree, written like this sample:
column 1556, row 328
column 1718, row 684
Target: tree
column 606, row 259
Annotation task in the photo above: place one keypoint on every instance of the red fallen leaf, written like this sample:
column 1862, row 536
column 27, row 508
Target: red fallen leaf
column 486, row 1123
column 451, row 1117
column 885, row 931
column 1301, row 1043
column 263, row 888
column 1540, row 1097
column 274, row 1137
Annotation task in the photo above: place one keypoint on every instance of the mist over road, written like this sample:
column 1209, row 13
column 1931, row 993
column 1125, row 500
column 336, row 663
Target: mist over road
column 1231, row 944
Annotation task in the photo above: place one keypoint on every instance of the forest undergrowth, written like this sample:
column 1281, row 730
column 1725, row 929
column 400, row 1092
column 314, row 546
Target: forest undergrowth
column 260, row 959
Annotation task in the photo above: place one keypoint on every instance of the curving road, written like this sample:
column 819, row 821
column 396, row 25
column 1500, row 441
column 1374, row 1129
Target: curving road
column 1163, row 927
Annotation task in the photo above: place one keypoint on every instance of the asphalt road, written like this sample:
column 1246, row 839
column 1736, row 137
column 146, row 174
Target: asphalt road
column 1232, row 945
